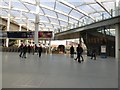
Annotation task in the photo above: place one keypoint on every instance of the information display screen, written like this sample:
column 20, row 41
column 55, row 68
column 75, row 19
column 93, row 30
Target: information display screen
column 20, row 34
column 41, row 34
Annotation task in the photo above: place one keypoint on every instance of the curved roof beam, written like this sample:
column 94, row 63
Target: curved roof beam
column 43, row 6
column 24, row 5
column 98, row 2
column 26, row 1
column 88, row 3
column 60, row 12
column 77, row 9
column 41, row 15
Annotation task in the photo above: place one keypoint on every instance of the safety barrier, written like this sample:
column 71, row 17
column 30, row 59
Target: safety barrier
column 9, row 49
column 16, row 49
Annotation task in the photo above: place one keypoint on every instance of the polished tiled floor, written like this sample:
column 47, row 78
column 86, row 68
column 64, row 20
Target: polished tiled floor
column 57, row 71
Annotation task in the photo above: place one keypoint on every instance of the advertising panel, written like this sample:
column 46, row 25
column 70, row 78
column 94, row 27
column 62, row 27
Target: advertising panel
column 44, row 34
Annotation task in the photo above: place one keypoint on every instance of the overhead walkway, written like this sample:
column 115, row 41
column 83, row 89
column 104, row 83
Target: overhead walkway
column 74, row 33
column 57, row 71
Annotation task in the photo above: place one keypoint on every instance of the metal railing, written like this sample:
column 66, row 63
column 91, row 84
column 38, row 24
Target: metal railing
column 87, row 21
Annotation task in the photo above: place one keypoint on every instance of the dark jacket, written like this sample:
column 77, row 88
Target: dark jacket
column 40, row 49
column 25, row 48
column 79, row 50
column 71, row 50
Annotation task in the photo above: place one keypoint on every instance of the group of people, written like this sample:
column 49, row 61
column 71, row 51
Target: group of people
column 79, row 50
column 79, row 53
column 23, row 49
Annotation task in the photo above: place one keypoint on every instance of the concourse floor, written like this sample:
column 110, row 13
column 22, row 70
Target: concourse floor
column 57, row 71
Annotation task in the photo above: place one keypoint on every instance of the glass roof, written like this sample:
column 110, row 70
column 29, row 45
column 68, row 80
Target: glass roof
column 56, row 14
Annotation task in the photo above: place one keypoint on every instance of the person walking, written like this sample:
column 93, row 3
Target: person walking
column 72, row 51
column 39, row 50
column 29, row 49
column 93, row 54
column 20, row 50
column 24, row 51
column 79, row 53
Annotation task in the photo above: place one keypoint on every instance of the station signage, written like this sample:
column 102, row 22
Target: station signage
column 20, row 34
column 29, row 34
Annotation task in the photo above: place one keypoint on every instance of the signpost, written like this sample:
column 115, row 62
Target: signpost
column 103, row 51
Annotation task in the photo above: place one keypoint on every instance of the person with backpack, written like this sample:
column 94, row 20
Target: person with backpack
column 79, row 53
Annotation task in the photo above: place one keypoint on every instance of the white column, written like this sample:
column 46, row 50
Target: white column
column 117, row 32
column 49, row 45
column 8, row 23
column 27, row 25
column 80, row 41
column 27, row 30
column 36, row 23
column 20, row 27
column 117, row 41
column 19, row 41
column 117, row 7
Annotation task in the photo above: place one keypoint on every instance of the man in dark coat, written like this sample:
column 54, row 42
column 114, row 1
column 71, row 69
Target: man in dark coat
column 79, row 53
column 21, row 50
column 24, row 51
column 40, row 50
column 93, row 54
column 72, row 51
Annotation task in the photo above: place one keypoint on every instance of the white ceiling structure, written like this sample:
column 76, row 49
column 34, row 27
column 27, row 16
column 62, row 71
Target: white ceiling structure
column 54, row 14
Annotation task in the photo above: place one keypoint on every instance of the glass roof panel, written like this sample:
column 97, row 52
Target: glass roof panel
column 63, row 23
column 17, row 4
column 24, row 20
column 58, row 13
column 15, row 13
column 106, row 15
column 4, row 3
column 89, row 1
column 30, row 16
column 76, row 2
column 95, row 14
column 54, row 20
column 76, row 14
column 97, row 7
column 29, row 1
column 48, row 12
column 47, row 3
column 48, row 25
column 43, row 18
column 86, row 8
column 72, row 20
column 109, row 5
column 62, row 17
column 41, row 11
column 56, row 26
column 30, row 7
column 62, row 7
column 4, row 13
column 19, row 21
